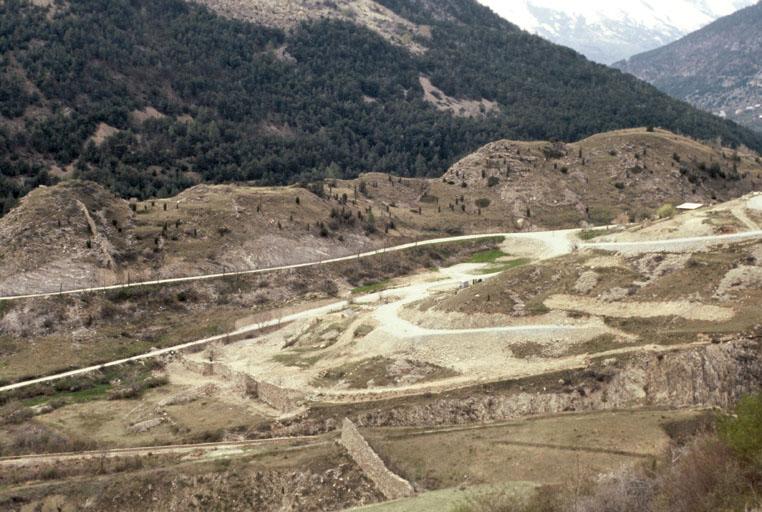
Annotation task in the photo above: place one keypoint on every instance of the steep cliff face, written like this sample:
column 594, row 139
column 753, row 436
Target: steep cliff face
column 705, row 376
column 709, row 375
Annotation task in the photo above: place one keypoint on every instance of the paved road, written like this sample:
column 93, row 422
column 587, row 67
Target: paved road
column 324, row 310
column 559, row 241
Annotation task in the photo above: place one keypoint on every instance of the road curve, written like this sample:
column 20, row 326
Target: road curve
column 559, row 241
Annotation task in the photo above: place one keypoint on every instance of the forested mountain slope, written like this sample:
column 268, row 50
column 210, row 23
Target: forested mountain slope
column 718, row 68
column 150, row 97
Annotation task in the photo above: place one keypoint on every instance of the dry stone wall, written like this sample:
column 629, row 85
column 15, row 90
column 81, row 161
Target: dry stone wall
column 392, row 486
column 280, row 398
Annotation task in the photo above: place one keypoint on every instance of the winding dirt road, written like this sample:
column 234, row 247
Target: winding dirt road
column 548, row 244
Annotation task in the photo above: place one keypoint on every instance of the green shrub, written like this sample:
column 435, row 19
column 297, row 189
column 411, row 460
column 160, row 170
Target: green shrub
column 554, row 151
column 705, row 478
column 14, row 412
column 666, row 211
column 742, row 431
column 589, row 234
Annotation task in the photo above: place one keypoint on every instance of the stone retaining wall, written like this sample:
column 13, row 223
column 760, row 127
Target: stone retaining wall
column 277, row 397
column 283, row 399
column 392, row 486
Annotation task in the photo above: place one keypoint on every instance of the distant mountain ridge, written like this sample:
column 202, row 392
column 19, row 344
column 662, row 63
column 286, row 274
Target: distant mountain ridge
column 718, row 68
column 607, row 32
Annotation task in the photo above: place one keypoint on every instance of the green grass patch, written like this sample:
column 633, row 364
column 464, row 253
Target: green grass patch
column 488, row 256
column 589, row 234
column 446, row 500
column 372, row 287
column 504, row 265
column 296, row 359
column 98, row 385
column 96, row 392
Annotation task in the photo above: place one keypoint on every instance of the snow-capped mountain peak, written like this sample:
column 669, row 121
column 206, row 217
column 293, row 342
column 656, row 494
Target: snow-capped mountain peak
column 611, row 30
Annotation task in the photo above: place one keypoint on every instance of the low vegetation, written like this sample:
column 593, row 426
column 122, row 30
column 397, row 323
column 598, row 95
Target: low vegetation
column 589, row 234
column 372, row 287
column 115, row 382
column 501, row 266
column 666, row 211
column 490, row 256
column 716, row 469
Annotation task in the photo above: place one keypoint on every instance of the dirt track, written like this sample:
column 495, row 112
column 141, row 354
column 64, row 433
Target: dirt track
column 197, row 449
column 541, row 245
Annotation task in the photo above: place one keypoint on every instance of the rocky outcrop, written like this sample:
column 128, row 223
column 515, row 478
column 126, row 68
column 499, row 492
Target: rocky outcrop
column 709, row 375
column 102, row 243
column 714, row 375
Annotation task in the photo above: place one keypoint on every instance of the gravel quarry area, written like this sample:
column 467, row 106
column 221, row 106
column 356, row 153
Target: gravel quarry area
column 376, row 345
column 468, row 352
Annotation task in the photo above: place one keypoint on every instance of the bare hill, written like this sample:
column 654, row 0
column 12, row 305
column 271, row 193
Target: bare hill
column 618, row 176
column 76, row 234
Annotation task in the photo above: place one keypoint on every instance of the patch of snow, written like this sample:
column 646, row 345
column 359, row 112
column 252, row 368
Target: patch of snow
column 613, row 29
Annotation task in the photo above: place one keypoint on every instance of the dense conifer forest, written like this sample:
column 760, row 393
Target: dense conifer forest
column 243, row 102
